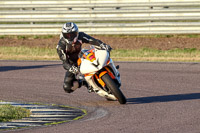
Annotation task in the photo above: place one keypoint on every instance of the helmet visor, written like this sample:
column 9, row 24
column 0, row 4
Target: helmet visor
column 70, row 36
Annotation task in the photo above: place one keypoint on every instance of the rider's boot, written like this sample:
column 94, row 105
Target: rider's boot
column 90, row 89
column 84, row 83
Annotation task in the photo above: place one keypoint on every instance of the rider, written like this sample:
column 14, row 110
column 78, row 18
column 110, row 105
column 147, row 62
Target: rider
column 68, row 49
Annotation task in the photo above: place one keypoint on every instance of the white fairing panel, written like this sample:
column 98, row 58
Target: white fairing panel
column 90, row 67
column 102, row 56
column 87, row 67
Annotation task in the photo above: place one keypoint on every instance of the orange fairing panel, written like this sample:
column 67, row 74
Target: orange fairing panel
column 89, row 74
column 79, row 61
column 110, row 73
column 102, row 73
column 108, row 62
column 100, row 81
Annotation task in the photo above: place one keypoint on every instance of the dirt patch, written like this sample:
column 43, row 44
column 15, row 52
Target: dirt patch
column 116, row 42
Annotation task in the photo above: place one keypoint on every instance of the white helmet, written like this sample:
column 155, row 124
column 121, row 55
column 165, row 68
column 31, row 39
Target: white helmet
column 70, row 32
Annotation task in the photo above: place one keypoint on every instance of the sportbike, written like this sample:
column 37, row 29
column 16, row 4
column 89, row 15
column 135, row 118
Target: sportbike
column 100, row 73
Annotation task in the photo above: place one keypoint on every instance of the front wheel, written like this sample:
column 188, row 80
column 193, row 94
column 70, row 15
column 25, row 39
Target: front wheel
column 113, row 87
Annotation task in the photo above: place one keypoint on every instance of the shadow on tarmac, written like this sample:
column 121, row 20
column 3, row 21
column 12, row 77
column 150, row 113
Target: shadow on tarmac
column 12, row 68
column 164, row 98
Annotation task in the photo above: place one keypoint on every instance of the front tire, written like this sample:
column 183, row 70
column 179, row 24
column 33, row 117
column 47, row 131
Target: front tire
column 113, row 87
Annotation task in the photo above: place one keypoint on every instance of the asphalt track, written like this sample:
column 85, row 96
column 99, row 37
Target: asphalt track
column 162, row 97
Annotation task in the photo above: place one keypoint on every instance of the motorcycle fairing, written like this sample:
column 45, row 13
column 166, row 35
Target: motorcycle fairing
column 98, row 61
column 93, row 65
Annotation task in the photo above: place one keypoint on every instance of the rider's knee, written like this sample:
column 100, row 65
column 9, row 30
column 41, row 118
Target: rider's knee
column 70, row 88
column 67, row 88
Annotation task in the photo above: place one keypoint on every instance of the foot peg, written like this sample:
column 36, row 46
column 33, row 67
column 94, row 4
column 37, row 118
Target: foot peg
column 117, row 67
column 90, row 89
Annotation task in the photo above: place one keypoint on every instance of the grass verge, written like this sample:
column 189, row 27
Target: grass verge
column 144, row 54
column 27, row 53
column 9, row 112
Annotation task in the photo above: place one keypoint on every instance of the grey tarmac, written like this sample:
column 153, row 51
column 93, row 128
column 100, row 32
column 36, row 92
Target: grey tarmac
column 162, row 97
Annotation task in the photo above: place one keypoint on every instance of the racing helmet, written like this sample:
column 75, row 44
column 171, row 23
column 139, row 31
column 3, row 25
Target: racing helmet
column 70, row 32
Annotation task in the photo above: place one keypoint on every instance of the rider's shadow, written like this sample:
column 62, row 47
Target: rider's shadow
column 164, row 98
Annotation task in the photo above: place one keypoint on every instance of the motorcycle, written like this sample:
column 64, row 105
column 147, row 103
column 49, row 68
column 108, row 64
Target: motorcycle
column 100, row 73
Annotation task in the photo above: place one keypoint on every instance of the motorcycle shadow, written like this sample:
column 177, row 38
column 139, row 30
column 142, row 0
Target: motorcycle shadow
column 164, row 98
column 101, row 103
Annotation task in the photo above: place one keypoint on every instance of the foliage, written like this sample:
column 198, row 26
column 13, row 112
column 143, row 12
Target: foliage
column 9, row 112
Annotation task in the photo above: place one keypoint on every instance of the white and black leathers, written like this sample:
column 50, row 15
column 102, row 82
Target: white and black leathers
column 68, row 54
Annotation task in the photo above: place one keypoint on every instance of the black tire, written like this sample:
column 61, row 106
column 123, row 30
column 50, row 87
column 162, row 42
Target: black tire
column 110, row 83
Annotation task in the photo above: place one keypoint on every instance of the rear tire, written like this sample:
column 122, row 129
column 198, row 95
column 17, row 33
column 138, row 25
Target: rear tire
column 113, row 87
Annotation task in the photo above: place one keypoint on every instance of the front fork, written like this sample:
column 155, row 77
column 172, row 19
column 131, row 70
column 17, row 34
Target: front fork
column 112, row 72
column 95, row 80
column 97, row 85
column 115, row 71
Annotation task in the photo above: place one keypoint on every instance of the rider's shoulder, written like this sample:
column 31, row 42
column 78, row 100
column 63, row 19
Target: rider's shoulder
column 81, row 34
column 62, row 42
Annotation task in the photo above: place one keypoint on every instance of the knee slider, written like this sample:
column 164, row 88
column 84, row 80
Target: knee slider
column 67, row 88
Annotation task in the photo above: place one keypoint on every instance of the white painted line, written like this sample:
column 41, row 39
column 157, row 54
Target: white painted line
column 32, row 121
column 18, row 124
column 49, row 119
column 52, row 110
column 8, row 103
column 41, row 115
column 51, row 115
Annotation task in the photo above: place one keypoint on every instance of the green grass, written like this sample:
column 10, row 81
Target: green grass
column 144, row 54
column 9, row 112
column 27, row 53
column 27, row 36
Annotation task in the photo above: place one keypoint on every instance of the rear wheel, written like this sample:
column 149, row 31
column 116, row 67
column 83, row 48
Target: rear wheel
column 113, row 87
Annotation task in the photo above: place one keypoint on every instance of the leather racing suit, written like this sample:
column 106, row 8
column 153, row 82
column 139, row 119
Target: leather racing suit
column 68, row 54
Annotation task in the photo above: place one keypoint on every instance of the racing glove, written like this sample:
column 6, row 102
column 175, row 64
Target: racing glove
column 73, row 69
column 105, row 47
